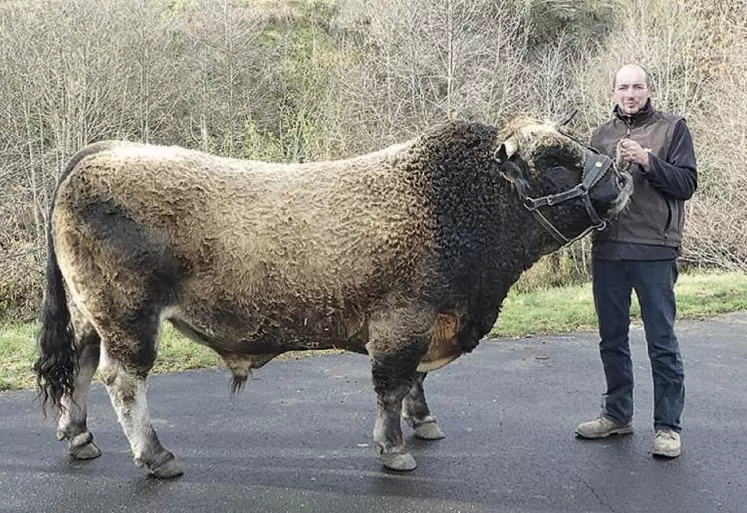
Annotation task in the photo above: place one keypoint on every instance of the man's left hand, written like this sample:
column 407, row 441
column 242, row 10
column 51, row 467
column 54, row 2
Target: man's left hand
column 635, row 153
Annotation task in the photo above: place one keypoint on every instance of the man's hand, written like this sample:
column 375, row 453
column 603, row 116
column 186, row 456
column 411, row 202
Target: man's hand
column 635, row 153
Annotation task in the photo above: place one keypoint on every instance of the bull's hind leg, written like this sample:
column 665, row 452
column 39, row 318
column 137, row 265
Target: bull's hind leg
column 126, row 359
column 397, row 342
column 416, row 413
column 71, row 424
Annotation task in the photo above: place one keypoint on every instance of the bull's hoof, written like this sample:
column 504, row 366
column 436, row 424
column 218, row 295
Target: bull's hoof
column 88, row 451
column 168, row 470
column 429, row 431
column 400, row 462
column 82, row 447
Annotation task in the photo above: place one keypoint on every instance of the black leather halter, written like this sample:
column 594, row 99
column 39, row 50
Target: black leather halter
column 595, row 168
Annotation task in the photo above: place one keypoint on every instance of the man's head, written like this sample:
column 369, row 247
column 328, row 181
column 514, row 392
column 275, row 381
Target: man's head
column 632, row 88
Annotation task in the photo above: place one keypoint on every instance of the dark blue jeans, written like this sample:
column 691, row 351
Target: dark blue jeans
column 653, row 282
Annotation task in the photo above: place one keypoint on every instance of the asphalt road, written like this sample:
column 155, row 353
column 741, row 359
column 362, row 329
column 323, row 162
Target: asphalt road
column 298, row 439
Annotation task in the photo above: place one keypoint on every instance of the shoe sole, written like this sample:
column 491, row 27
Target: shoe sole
column 667, row 455
column 619, row 431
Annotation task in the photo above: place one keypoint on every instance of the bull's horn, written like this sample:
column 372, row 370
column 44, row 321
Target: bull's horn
column 506, row 150
column 568, row 117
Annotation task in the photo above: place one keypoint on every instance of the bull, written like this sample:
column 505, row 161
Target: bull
column 405, row 255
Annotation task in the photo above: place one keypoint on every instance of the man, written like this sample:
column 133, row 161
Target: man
column 638, row 252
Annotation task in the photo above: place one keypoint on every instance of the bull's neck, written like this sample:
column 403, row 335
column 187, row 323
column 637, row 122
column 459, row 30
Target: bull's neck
column 484, row 235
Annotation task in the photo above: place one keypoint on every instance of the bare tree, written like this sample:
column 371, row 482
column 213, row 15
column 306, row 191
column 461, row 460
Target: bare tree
column 426, row 61
column 224, row 70
column 293, row 81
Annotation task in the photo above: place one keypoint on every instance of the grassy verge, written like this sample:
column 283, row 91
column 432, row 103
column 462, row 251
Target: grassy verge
column 556, row 310
column 566, row 309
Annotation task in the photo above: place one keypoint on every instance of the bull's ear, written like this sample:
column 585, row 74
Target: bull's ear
column 506, row 150
column 512, row 172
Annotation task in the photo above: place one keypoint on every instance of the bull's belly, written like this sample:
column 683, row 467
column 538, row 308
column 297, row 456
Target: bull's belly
column 238, row 333
column 261, row 335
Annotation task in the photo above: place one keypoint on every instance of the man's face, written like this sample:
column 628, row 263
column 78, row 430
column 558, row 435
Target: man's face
column 631, row 91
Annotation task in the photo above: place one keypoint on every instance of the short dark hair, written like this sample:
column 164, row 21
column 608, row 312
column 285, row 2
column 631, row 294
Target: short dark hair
column 649, row 81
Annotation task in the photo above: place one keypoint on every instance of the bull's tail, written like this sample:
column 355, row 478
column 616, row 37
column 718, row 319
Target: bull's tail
column 55, row 367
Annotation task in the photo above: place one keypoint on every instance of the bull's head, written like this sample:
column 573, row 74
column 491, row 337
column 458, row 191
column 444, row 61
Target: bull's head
column 569, row 187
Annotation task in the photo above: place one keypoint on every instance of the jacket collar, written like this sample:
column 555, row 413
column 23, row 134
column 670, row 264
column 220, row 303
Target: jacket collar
column 637, row 119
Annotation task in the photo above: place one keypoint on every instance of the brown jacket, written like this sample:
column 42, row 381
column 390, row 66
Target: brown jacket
column 656, row 214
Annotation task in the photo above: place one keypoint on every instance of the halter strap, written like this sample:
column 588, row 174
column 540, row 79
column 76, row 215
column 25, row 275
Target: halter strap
column 595, row 167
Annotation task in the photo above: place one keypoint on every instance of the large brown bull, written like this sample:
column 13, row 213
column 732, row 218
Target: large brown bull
column 405, row 254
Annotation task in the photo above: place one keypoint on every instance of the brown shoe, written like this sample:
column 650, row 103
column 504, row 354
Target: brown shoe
column 602, row 427
column 667, row 443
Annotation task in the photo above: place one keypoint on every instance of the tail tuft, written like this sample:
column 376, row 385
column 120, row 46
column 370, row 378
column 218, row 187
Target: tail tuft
column 237, row 383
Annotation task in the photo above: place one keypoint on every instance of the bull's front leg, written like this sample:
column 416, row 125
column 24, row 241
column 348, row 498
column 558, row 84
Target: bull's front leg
column 416, row 413
column 396, row 344
column 392, row 381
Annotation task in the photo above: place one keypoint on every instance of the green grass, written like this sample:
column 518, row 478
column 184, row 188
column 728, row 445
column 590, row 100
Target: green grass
column 17, row 355
column 556, row 310
column 565, row 309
